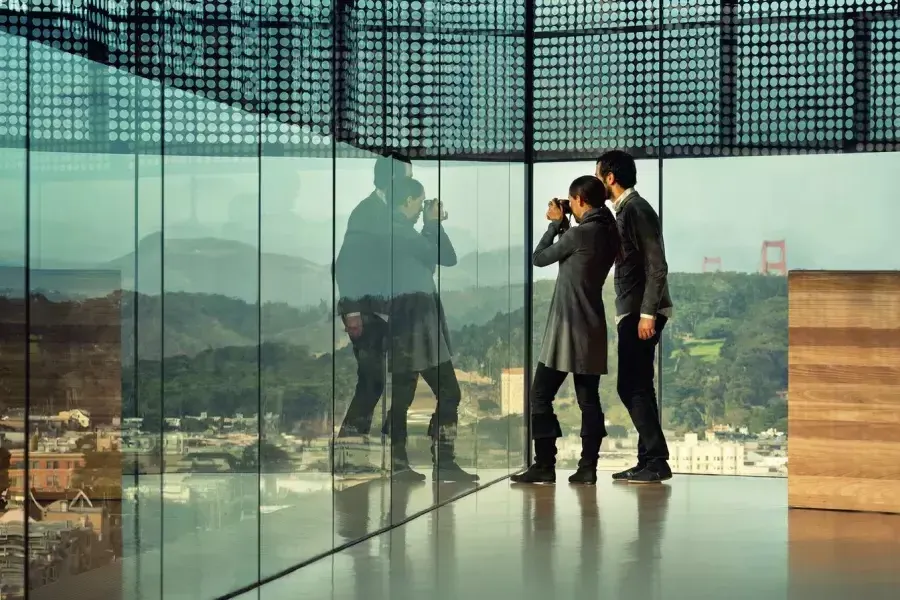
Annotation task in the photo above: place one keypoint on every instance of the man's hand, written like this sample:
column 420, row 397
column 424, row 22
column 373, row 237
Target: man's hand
column 646, row 328
column 554, row 210
column 353, row 325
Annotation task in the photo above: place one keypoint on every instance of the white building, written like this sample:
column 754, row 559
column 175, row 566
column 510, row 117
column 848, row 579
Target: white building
column 708, row 457
column 512, row 391
column 79, row 416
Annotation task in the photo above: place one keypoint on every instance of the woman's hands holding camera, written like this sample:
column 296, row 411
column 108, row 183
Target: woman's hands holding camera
column 555, row 210
column 434, row 211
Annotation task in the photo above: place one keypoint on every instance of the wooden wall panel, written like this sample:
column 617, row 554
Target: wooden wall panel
column 844, row 390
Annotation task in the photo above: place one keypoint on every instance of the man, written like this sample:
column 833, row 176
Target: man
column 643, row 306
column 5, row 463
column 363, row 276
column 575, row 336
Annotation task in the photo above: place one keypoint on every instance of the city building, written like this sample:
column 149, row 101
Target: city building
column 47, row 471
column 710, row 457
column 512, row 391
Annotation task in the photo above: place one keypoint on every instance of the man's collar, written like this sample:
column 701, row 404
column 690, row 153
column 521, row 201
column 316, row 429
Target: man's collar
column 380, row 194
column 619, row 202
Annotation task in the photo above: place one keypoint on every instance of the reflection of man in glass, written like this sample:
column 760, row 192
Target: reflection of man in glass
column 419, row 338
column 643, row 305
column 5, row 462
column 363, row 275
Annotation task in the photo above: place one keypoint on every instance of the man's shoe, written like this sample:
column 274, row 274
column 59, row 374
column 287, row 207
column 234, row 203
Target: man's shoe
column 452, row 473
column 584, row 476
column 651, row 475
column 403, row 472
column 352, row 457
column 627, row 473
column 536, row 474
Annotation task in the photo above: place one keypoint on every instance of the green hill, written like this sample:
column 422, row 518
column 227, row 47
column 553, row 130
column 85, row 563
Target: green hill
column 724, row 352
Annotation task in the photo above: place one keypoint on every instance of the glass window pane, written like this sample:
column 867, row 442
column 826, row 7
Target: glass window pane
column 13, row 298
column 619, row 450
column 211, row 347
column 513, row 394
column 362, row 259
column 297, row 353
column 725, row 369
column 82, row 230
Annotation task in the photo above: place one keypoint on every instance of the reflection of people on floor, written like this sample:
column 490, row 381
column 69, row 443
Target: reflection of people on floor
column 442, row 530
column 419, row 337
column 363, row 276
column 640, row 575
column 588, row 583
column 539, row 535
column 353, row 506
column 355, row 518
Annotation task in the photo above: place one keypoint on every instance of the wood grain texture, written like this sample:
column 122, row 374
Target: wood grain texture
column 827, row 547
column 844, row 390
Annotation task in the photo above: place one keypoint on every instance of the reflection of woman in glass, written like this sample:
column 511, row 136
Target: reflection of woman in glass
column 575, row 336
column 419, row 338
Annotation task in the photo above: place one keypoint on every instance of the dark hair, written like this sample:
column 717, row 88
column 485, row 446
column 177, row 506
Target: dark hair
column 388, row 168
column 621, row 165
column 404, row 189
column 590, row 189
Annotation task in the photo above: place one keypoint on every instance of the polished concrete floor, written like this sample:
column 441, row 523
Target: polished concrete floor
column 697, row 537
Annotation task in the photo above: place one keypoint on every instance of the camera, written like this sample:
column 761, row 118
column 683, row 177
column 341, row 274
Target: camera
column 429, row 205
column 563, row 204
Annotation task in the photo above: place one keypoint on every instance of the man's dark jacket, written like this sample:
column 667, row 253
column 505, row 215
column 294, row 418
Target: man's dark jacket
column 641, row 274
column 362, row 269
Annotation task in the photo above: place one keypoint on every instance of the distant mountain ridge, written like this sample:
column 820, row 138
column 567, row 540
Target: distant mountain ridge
column 236, row 270
column 224, row 267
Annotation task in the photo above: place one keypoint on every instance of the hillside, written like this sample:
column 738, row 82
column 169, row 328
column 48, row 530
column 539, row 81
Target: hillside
column 725, row 351
column 198, row 322
column 485, row 269
column 235, row 269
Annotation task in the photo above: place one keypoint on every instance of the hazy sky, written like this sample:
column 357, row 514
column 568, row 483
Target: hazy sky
column 834, row 211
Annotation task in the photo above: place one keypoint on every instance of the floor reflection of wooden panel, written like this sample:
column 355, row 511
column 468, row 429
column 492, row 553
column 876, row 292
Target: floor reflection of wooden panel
column 837, row 554
column 844, row 391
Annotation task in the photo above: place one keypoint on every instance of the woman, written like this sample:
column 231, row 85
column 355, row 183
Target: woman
column 575, row 337
column 419, row 337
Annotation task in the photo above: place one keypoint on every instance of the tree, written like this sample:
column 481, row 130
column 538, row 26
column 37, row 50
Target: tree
column 100, row 476
column 265, row 457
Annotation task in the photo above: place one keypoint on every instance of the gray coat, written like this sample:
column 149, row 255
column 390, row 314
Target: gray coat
column 419, row 337
column 575, row 338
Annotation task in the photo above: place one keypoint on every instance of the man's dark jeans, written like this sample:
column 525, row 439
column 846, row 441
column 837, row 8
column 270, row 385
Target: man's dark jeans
column 638, row 392
column 369, row 350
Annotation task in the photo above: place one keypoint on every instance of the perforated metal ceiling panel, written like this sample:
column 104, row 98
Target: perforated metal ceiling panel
column 447, row 79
